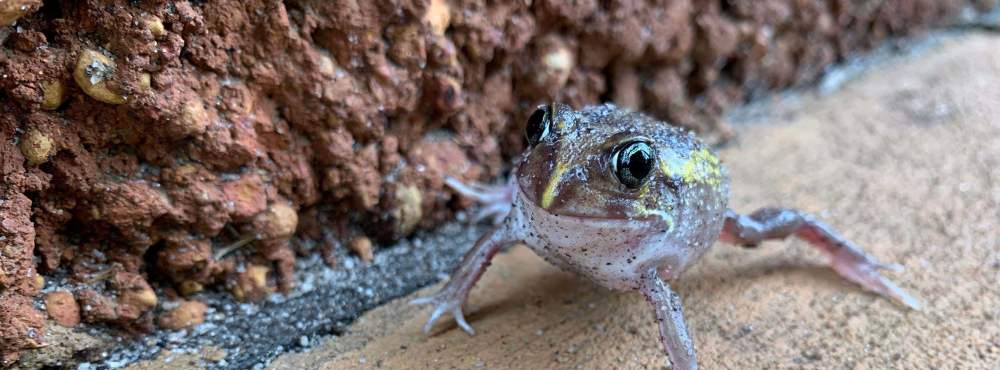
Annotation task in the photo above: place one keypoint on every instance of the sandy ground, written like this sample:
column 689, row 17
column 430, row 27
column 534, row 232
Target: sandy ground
column 904, row 160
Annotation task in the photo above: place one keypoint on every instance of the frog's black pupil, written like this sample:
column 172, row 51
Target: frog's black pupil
column 639, row 164
column 634, row 163
column 537, row 127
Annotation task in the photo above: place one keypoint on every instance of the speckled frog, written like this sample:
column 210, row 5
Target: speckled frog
column 630, row 202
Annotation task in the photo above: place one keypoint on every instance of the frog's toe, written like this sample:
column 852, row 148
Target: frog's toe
column 496, row 200
column 460, row 320
column 421, row 301
column 433, row 318
column 866, row 274
column 496, row 212
column 441, row 306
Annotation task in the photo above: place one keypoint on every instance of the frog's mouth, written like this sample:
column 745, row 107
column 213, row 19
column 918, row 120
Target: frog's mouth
column 650, row 220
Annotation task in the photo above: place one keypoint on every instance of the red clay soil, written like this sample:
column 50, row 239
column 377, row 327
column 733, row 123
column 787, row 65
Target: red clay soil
column 147, row 142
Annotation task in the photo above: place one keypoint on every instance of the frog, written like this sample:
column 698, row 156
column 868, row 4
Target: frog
column 630, row 202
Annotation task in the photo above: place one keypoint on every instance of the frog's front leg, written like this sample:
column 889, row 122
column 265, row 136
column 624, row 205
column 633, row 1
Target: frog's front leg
column 849, row 260
column 670, row 317
column 496, row 200
column 452, row 297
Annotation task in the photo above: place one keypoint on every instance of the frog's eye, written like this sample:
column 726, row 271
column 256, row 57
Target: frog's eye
column 538, row 126
column 632, row 162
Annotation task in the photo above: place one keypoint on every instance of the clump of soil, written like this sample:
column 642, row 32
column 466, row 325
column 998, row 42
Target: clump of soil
column 180, row 145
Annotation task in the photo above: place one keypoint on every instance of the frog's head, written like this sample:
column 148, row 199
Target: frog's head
column 606, row 162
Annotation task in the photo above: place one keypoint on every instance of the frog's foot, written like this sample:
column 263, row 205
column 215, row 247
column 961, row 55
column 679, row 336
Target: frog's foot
column 452, row 297
column 670, row 316
column 849, row 260
column 446, row 300
column 496, row 200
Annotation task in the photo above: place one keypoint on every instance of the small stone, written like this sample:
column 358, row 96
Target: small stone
column 95, row 307
column 12, row 10
column 53, row 94
column 258, row 275
column 193, row 119
column 438, row 16
column 408, row 211
column 135, row 296
column 145, row 81
column 189, row 287
column 145, row 298
column 92, row 71
column 558, row 62
column 185, row 315
column 155, row 26
column 279, row 221
column 62, row 308
column 238, row 292
column 325, row 65
column 213, row 354
column 362, row 246
column 36, row 147
column 251, row 284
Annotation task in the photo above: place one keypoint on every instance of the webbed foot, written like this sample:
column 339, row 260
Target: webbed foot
column 445, row 300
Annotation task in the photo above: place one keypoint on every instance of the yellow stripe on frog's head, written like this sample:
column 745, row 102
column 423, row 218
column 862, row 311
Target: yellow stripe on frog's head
column 702, row 166
column 552, row 187
column 664, row 167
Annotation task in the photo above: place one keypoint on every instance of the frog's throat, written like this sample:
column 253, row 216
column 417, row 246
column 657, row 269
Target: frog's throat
column 552, row 187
